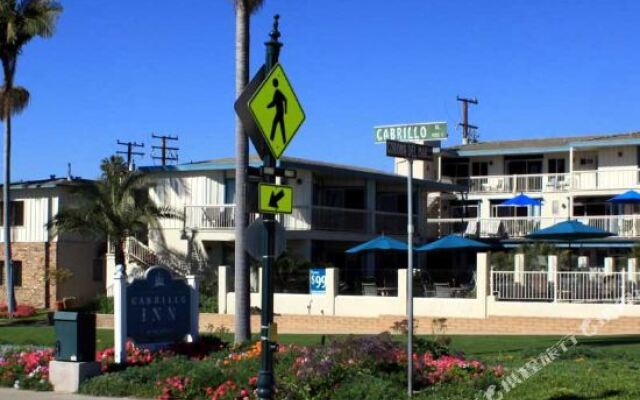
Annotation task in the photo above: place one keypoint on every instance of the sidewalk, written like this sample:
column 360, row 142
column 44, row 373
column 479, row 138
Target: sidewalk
column 12, row 394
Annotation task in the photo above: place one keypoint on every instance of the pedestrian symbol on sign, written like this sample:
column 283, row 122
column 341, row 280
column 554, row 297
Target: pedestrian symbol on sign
column 276, row 111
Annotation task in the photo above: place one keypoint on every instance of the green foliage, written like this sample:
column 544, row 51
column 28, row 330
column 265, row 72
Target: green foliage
column 208, row 304
column 502, row 261
column 100, row 305
column 114, row 207
column 370, row 387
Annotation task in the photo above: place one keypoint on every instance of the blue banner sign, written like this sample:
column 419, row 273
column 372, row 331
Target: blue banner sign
column 158, row 307
column 317, row 281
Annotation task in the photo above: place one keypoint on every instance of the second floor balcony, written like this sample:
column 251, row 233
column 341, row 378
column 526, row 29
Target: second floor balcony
column 600, row 179
column 222, row 218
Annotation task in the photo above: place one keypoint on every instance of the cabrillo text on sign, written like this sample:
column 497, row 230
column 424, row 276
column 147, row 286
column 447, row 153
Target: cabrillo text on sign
column 409, row 132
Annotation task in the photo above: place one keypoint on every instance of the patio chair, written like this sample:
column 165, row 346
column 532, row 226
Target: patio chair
column 369, row 289
column 443, row 290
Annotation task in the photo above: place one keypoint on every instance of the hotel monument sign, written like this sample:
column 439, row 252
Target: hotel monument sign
column 158, row 308
column 430, row 131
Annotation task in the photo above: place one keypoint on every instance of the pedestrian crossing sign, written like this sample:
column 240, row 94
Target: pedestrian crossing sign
column 276, row 110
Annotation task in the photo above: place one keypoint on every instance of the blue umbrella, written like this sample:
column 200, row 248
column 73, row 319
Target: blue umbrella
column 569, row 230
column 453, row 242
column 382, row 242
column 629, row 197
column 521, row 200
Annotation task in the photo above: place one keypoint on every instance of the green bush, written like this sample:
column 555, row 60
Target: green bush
column 369, row 387
column 100, row 305
column 208, row 304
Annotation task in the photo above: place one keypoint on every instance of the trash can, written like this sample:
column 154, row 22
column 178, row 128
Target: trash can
column 75, row 336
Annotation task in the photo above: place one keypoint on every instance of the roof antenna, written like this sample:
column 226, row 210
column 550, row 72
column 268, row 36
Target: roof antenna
column 69, row 176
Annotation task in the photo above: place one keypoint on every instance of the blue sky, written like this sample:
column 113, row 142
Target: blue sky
column 123, row 69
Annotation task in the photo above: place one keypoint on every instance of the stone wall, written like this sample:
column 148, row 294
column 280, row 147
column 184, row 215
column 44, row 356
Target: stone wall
column 34, row 290
column 317, row 324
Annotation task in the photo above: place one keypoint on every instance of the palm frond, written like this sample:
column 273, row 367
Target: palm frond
column 39, row 17
column 16, row 100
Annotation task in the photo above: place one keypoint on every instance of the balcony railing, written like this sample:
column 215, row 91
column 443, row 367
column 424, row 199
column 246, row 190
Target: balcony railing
column 611, row 179
column 619, row 225
column 221, row 217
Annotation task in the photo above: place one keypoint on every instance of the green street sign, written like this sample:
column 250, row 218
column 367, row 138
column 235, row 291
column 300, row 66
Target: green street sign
column 275, row 199
column 276, row 110
column 411, row 132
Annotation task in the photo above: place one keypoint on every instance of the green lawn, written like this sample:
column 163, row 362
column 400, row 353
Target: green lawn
column 597, row 368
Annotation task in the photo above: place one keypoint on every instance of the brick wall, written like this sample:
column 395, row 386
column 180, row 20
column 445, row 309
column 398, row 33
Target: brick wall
column 454, row 326
column 33, row 290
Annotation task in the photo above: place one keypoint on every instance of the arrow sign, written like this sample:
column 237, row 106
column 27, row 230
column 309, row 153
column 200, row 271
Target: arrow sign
column 275, row 198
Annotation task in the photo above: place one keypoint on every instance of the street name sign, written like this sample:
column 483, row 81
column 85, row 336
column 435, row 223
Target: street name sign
column 276, row 199
column 408, row 150
column 411, row 132
column 276, row 111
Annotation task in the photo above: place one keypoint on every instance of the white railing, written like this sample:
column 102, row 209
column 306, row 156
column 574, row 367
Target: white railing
column 516, row 183
column 606, row 179
column 619, row 225
column 603, row 179
column 574, row 287
column 210, row 217
column 139, row 251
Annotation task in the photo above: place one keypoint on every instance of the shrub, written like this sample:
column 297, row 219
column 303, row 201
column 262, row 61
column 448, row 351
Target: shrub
column 100, row 305
column 208, row 304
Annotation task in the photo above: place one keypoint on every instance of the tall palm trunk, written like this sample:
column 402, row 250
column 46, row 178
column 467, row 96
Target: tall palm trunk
column 6, row 198
column 9, row 65
column 242, row 290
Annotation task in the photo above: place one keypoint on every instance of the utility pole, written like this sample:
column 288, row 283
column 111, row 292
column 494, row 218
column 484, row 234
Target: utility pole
column 166, row 153
column 130, row 153
column 468, row 131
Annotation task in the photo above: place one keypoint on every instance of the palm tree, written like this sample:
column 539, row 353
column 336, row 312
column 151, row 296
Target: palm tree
column 112, row 208
column 244, row 10
column 20, row 21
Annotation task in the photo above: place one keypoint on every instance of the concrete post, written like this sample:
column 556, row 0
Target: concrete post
column 222, row 289
column 332, row 290
column 608, row 266
column 192, row 280
column 518, row 275
column 632, row 268
column 483, row 280
column 402, row 291
column 110, row 259
column 120, row 315
column 552, row 268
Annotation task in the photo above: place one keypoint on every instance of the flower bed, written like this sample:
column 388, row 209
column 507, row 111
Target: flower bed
column 22, row 311
column 27, row 369
column 358, row 367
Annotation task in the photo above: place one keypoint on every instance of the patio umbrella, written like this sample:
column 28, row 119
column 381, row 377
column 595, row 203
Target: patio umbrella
column 382, row 242
column 629, row 197
column 569, row 231
column 521, row 200
column 453, row 242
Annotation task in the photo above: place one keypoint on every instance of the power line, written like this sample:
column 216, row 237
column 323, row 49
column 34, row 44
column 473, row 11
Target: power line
column 167, row 153
column 130, row 153
column 469, row 134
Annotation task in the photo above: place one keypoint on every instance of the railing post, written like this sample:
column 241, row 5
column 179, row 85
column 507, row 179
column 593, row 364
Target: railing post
column 193, row 283
column 222, row 289
column 120, row 315
column 623, row 297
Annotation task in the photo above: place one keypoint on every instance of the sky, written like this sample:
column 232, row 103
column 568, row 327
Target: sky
column 124, row 69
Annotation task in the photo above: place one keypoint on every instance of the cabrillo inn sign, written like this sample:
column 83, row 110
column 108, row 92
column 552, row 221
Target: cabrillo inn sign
column 153, row 310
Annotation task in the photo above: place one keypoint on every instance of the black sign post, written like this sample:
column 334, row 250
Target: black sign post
column 409, row 151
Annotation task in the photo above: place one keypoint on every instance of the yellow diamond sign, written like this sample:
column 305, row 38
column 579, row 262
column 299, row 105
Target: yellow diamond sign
column 277, row 111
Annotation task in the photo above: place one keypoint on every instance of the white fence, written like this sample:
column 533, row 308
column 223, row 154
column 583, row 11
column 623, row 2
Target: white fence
column 574, row 287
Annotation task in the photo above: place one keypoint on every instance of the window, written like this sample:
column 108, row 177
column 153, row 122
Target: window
column 556, row 166
column 229, row 191
column 98, row 269
column 17, row 273
column 480, row 168
column 16, row 213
